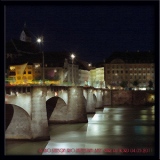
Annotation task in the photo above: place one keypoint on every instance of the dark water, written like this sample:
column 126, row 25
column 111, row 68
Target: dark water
column 111, row 131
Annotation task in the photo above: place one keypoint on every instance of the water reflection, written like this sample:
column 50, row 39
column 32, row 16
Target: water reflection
column 104, row 130
column 145, row 130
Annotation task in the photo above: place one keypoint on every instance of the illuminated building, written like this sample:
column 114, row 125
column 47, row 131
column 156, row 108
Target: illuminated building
column 129, row 66
column 15, row 72
column 68, row 69
column 97, row 77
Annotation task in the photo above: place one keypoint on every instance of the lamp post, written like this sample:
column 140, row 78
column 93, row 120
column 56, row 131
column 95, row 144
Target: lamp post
column 40, row 40
column 72, row 57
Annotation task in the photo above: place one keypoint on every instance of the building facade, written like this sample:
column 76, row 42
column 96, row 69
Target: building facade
column 97, row 77
column 71, row 73
column 129, row 69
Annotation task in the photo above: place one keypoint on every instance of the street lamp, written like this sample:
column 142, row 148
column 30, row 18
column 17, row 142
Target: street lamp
column 89, row 64
column 72, row 57
column 40, row 40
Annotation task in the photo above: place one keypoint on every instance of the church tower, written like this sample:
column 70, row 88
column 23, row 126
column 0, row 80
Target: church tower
column 25, row 36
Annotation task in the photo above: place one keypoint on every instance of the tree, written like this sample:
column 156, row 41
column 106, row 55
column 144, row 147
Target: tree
column 123, row 84
column 135, row 83
column 150, row 84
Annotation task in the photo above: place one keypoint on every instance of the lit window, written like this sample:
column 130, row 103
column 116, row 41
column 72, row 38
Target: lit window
column 29, row 67
column 12, row 67
column 19, row 78
column 24, row 77
column 37, row 65
column 29, row 77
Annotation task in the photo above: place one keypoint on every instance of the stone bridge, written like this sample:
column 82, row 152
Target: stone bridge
column 30, row 109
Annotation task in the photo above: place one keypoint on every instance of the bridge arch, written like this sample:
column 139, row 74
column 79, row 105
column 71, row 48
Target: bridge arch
column 22, row 100
column 95, row 98
column 56, row 109
column 85, row 101
column 63, row 94
column 18, row 123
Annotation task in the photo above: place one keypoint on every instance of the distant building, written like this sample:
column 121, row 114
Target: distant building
column 97, row 77
column 128, row 67
column 23, row 46
column 71, row 75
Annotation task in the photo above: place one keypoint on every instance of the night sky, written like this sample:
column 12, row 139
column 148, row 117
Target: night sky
column 92, row 31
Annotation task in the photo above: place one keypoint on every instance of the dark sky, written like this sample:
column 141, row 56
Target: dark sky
column 92, row 31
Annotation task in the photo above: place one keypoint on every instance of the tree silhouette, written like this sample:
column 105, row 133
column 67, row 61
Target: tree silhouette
column 150, row 84
column 135, row 83
column 123, row 84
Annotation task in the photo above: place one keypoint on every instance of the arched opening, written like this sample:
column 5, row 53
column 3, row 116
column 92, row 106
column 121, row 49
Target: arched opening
column 18, row 123
column 85, row 101
column 52, row 103
column 95, row 98
column 9, row 114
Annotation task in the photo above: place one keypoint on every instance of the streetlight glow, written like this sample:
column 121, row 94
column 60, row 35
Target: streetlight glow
column 72, row 56
column 39, row 40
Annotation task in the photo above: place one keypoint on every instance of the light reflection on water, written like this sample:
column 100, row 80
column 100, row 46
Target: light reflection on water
column 147, row 117
column 145, row 130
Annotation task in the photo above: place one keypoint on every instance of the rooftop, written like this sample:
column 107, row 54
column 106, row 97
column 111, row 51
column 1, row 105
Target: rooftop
column 132, row 57
column 21, row 46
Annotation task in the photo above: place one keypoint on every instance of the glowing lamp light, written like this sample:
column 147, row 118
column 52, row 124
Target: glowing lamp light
column 72, row 56
column 56, row 94
column 38, row 40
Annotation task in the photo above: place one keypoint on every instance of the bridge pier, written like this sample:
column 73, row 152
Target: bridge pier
column 39, row 123
column 106, row 97
column 90, row 102
column 76, row 112
column 99, row 103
